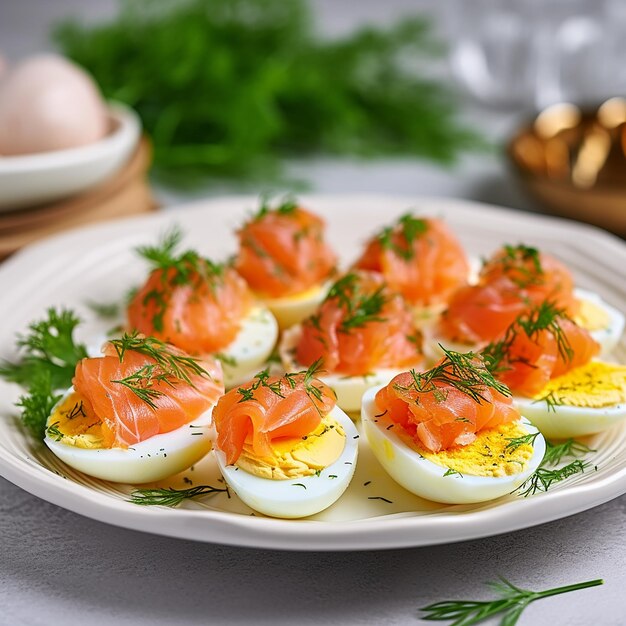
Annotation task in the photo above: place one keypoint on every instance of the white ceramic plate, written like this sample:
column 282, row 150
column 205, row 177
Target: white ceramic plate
column 30, row 179
column 98, row 264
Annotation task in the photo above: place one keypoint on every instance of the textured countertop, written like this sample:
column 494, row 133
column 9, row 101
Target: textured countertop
column 59, row 568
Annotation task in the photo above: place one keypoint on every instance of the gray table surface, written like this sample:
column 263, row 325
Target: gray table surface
column 60, row 568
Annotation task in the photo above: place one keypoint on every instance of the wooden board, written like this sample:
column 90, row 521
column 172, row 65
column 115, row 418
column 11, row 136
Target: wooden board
column 125, row 193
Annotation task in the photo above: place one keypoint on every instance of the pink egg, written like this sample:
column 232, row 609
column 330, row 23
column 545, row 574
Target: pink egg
column 49, row 103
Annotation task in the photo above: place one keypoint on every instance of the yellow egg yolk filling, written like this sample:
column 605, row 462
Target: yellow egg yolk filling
column 310, row 293
column 592, row 316
column 71, row 422
column 594, row 385
column 490, row 454
column 297, row 457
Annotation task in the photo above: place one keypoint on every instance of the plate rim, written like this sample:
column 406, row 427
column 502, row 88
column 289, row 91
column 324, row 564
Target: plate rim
column 381, row 532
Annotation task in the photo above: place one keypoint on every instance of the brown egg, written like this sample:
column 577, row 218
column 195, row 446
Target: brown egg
column 49, row 103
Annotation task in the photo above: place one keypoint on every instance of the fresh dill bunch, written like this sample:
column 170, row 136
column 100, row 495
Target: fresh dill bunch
column 516, row 442
column 361, row 308
column 171, row 497
column 274, row 88
column 510, row 604
column 409, row 228
column 514, row 263
column 465, row 372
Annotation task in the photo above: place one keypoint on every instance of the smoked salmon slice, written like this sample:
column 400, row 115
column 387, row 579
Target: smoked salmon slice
column 282, row 251
column 540, row 345
column 362, row 325
column 420, row 258
column 269, row 408
column 514, row 279
column 447, row 405
column 142, row 387
column 189, row 301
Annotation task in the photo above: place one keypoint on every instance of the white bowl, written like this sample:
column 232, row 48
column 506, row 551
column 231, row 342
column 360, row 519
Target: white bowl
column 31, row 179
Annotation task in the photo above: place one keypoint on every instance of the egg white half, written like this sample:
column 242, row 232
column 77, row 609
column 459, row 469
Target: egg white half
column 563, row 421
column 425, row 478
column 154, row 459
column 609, row 336
column 297, row 497
column 252, row 346
column 349, row 389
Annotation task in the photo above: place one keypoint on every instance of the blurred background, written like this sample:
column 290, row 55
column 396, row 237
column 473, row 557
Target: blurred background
column 417, row 97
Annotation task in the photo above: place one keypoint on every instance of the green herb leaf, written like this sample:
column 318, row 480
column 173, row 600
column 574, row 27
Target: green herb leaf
column 511, row 603
column 171, row 496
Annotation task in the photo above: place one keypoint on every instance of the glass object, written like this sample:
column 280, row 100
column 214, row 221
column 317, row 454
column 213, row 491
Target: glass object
column 538, row 52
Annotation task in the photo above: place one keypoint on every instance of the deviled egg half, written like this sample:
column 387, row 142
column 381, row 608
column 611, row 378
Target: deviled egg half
column 363, row 333
column 283, row 445
column 137, row 414
column 285, row 260
column 203, row 307
column 549, row 363
column 451, row 434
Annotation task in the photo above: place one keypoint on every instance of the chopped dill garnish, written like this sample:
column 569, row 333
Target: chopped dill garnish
column 262, row 379
column 465, row 372
column 516, row 442
column 171, row 496
column 186, row 268
column 54, row 432
column 287, row 206
column 409, row 228
column 360, row 308
column 515, row 261
column 170, row 367
column 511, row 603
column 298, row 485
column 543, row 317
column 452, row 472
column 380, row 498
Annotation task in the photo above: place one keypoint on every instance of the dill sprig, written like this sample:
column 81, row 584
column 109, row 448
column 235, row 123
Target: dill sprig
column 510, row 604
column 49, row 354
column 516, row 442
column 290, row 380
column 177, row 269
column 361, row 308
column 171, row 496
column 555, row 452
column 287, row 206
column 543, row 317
column 522, row 264
column 409, row 228
column 170, row 366
column 183, row 268
column 465, row 372
column 543, row 478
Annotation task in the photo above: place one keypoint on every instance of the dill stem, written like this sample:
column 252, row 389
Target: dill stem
column 559, row 590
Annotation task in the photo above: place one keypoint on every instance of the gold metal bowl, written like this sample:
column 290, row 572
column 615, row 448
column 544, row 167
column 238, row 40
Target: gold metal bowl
column 573, row 162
